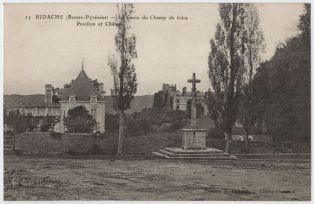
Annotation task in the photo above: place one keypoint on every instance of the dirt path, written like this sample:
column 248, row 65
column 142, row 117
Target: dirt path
column 74, row 179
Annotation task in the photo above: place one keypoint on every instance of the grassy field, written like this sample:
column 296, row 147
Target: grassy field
column 91, row 179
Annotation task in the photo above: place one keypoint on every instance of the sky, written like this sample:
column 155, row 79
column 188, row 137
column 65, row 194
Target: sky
column 46, row 51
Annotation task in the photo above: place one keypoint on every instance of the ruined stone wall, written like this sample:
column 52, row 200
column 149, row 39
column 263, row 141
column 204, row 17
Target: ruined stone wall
column 56, row 143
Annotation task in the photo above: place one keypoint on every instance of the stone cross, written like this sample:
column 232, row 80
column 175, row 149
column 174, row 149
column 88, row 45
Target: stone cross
column 194, row 81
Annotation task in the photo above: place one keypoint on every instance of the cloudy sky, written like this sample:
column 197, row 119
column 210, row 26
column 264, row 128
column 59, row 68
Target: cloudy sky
column 37, row 52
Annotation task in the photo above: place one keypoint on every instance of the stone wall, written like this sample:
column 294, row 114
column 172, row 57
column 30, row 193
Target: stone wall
column 56, row 143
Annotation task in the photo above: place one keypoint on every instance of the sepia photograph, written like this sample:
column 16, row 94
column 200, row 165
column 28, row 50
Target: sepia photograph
column 157, row 101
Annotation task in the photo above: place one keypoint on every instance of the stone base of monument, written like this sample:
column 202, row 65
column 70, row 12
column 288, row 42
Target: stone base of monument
column 208, row 154
column 194, row 148
column 193, row 139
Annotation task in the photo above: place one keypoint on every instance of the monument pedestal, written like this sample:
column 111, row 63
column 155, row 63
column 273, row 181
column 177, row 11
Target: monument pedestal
column 194, row 148
column 194, row 139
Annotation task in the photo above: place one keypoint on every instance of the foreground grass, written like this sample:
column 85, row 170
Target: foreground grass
column 83, row 179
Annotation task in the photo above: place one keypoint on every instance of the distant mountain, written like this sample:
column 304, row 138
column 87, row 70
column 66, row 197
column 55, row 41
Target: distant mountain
column 14, row 101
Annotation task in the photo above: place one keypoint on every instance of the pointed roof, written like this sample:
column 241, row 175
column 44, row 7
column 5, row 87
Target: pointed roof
column 82, row 88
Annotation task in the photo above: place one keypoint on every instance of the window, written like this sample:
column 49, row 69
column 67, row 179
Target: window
column 72, row 99
column 93, row 111
column 93, row 99
column 178, row 101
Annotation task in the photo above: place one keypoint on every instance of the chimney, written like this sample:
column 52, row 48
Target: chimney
column 48, row 93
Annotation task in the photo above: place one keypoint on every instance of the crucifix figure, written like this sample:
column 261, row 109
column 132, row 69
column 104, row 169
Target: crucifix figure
column 194, row 81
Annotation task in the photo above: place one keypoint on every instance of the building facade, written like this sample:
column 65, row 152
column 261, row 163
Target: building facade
column 81, row 92
column 180, row 100
column 57, row 102
column 164, row 97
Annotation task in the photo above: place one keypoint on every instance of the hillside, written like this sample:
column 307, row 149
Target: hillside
column 138, row 104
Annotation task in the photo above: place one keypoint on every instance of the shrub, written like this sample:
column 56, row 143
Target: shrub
column 56, row 135
column 47, row 123
column 79, row 120
column 156, row 120
column 21, row 123
column 215, row 133
column 112, row 122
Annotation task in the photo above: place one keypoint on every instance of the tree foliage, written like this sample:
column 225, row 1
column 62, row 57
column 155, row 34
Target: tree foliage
column 112, row 122
column 68, row 85
column 96, row 84
column 151, row 120
column 282, row 87
column 21, row 123
column 155, row 120
column 254, row 46
column 79, row 120
column 123, row 70
column 305, row 21
column 226, row 64
column 55, row 96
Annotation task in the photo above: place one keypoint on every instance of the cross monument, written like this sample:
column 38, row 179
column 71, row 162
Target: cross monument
column 194, row 139
column 194, row 81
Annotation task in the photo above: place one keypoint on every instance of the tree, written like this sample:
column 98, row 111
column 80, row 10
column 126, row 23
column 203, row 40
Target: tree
column 305, row 21
column 123, row 70
column 282, row 87
column 55, row 96
column 96, row 84
column 68, row 85
column 20, row 122
column 254, row 46
column 226, row 67
column 112, row 122
column 47, row 123
column 79, row 120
